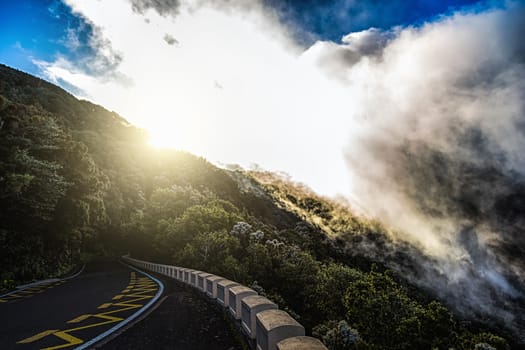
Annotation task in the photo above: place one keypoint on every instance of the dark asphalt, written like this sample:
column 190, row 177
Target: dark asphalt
column 99, row 283
column 186, row 320
column 108, row 291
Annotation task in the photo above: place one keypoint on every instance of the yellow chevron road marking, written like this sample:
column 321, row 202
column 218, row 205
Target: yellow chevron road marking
column 109, row 319
column 137, row 297
column 136, row 294
column 30, row 291
column 148, row 287
column 79, row 318
column 71, row 340
column 125, row 308
column 37, row 336
column 26, row 291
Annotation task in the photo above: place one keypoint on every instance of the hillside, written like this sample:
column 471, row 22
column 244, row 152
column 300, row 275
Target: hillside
column 77, row 180
column 358, row 240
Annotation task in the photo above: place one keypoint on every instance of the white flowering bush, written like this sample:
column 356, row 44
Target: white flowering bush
column 241, row 229
column 257, row 287
column 337, row 335
column 257, row 235
column 275, row 243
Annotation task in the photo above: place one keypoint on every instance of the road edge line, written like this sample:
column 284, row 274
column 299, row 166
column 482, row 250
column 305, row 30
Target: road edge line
column 76, row 274
column 130, row 325
column 23, row 287
column 126, row 321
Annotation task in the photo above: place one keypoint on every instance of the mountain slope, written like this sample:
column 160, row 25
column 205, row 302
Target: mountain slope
column 76, row 179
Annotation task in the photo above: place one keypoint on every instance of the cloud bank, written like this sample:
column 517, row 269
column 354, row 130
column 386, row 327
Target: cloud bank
column 162, row 7
column 233, row 88
column 437, row 147
column 422, row 126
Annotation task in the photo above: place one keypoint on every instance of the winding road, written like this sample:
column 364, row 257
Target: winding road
column 76, row 312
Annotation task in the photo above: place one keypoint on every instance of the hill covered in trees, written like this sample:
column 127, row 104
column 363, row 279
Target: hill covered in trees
column 77, row 180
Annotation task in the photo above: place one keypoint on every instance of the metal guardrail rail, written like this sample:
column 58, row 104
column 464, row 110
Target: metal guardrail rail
column 264, row 325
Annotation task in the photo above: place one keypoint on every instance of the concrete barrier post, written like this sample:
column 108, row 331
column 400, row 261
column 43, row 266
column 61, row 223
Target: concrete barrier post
column 300, row 343
column 250, row 307
column 272, row 326
column 223, row 291
column 193, row 277
column 236, row 295
column 211, row 285
column 201, row 281
column 187, row 275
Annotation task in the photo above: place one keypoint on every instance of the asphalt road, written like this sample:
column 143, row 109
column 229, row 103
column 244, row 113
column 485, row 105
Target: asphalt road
column 69, row 313
column 185, row 320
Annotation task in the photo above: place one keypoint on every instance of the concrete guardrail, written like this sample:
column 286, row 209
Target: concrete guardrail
column 265, row 326
column 250, row 307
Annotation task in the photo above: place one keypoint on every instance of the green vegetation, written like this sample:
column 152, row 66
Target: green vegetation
column 76, row 180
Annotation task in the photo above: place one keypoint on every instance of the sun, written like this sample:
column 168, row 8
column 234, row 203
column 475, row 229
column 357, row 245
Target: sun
column 165, row 135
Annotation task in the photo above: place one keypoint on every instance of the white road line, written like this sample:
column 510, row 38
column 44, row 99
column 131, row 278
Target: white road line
column 37, row 283
column 76, row 274
column 129, row 319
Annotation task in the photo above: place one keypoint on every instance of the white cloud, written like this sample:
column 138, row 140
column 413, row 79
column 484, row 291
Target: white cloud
column 436, row 145
column 72, row 41
column 270, row 110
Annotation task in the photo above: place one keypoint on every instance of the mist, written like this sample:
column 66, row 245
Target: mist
column 422, row 127
column 438, row 150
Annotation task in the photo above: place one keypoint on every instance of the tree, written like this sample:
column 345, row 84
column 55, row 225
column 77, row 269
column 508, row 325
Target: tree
column 216, row 215
column 332, row 281
column 214, row 252
column 382, row 312
column 338, row 336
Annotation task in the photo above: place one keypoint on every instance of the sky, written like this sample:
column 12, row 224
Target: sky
column 414, row 111
column 210, row 77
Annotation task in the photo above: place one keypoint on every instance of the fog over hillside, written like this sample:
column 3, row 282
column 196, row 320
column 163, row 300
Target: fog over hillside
column 438, row 149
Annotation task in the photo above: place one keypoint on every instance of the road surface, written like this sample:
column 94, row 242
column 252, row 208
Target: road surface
column 186, row 320
column 67, row 314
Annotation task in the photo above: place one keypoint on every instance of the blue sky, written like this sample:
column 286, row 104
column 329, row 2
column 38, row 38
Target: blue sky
column 330, row 19
column 33, row 29
column 38, row 29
